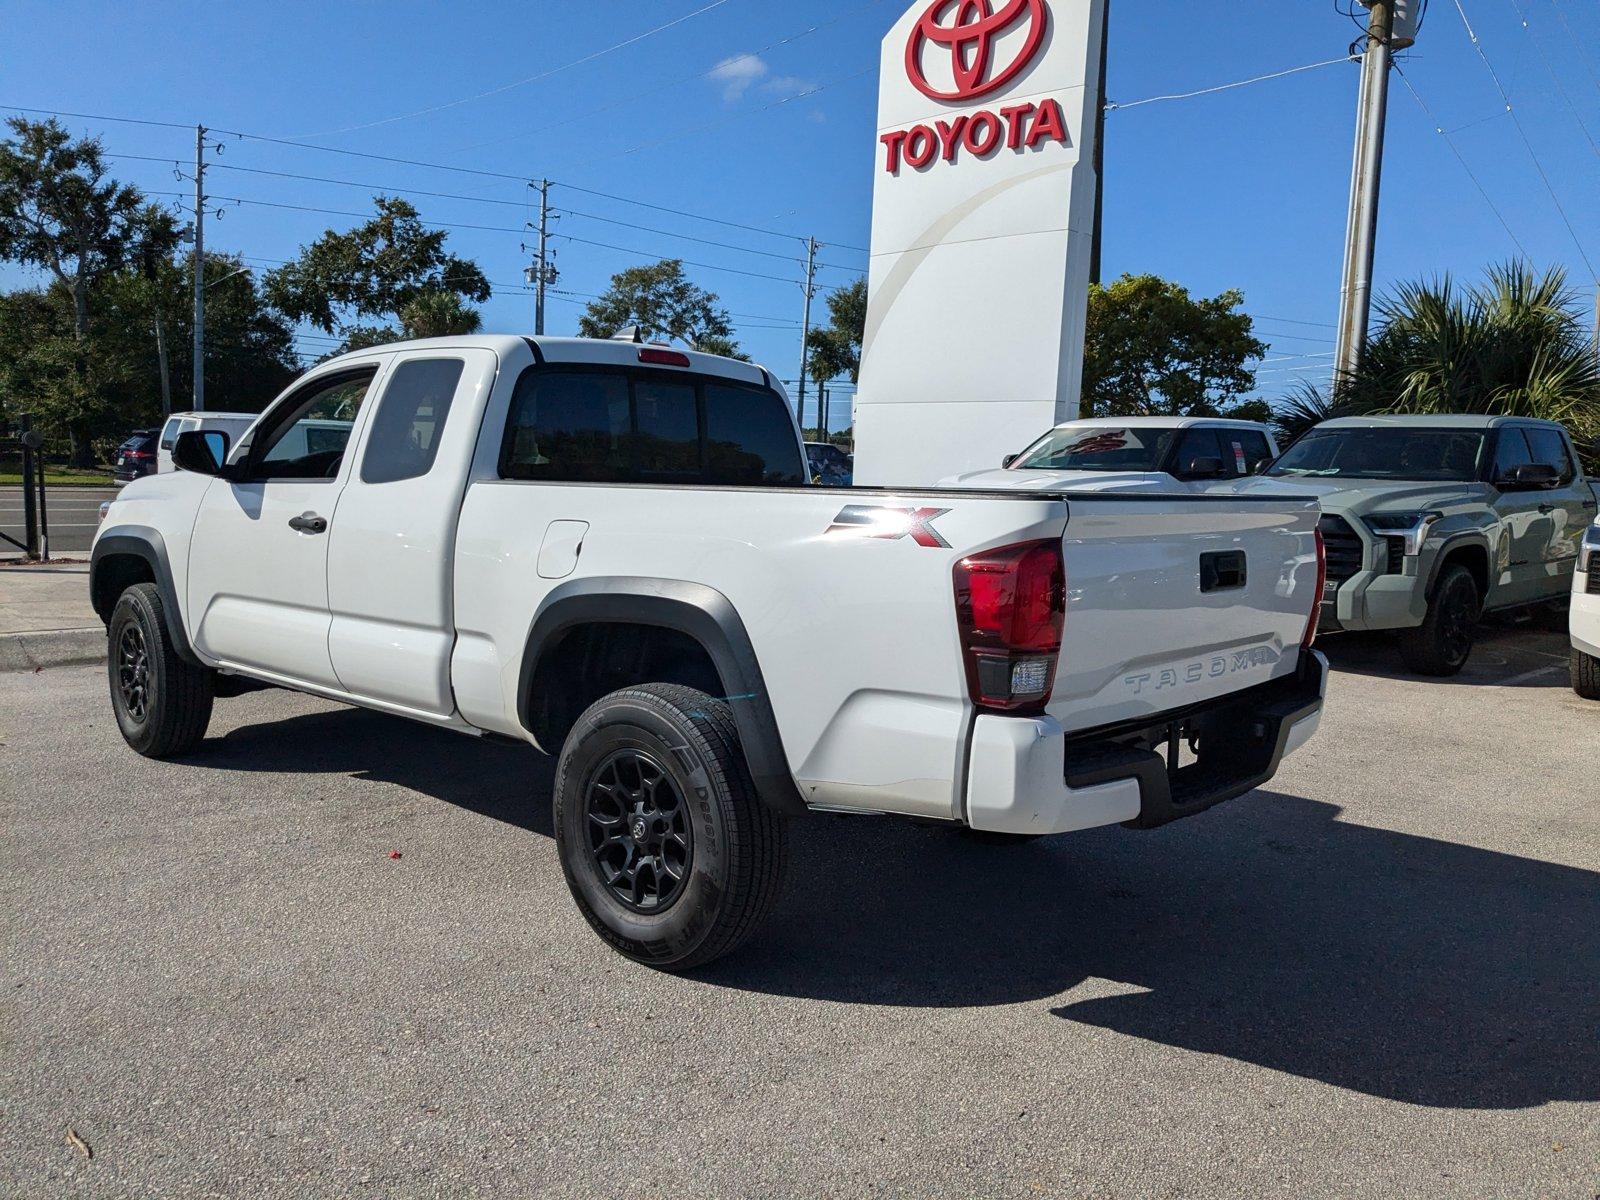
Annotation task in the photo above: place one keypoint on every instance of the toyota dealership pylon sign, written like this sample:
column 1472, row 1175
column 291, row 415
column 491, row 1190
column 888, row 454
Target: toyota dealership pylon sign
column 982, row 210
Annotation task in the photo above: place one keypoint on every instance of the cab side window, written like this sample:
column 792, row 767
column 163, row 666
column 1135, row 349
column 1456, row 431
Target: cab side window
column 1510, row 451
column 169, row 433
column 1550, row 448
column 406, row 429
column 307, row 437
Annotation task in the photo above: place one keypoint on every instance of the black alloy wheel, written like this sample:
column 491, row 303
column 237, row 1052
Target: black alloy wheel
column 639, row 830
column 133, row 671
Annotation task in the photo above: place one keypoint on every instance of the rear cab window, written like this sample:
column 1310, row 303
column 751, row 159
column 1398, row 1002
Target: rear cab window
column 169, row 433
column 1244, row 450
column 603, row 424
column 404, row 439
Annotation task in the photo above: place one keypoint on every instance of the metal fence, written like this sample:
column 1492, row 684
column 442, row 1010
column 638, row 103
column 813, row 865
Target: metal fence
column 28, row 529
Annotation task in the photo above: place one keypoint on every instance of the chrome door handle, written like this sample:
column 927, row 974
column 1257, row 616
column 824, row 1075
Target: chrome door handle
column 309, row 523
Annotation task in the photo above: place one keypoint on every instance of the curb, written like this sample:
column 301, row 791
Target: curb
column 51, row 648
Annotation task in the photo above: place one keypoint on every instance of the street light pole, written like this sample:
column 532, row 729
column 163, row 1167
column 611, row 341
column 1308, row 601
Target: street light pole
column 1361, row 233
column 199, row 267
column 809, row 288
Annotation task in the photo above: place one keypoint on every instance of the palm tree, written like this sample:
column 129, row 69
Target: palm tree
column 1513, row 345
column 1303, row 408
column 438, row 313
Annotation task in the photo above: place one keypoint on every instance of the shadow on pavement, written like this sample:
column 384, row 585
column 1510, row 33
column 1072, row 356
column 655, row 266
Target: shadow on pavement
column 1399, row 966
column 495, row 779
column 1526, row 655
column 1266, row 931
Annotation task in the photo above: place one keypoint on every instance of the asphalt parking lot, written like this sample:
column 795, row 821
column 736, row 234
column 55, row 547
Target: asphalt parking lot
column 1376, row 977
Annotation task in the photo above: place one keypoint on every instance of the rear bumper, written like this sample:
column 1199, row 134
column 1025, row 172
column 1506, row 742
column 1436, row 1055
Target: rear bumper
column 1025, row 775
column 1585, row 614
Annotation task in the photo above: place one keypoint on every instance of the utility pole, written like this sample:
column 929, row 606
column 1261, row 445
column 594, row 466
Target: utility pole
column 1361, row 234
column 543, row 273
column 1100, row 146
column 199, row 267
column 809, row 289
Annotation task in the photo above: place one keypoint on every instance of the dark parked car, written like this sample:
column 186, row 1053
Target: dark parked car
column 136, row 456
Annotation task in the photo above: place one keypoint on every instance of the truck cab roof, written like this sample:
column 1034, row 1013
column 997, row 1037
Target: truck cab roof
column 596, row 351
column 1434, row 421
column 1157, row 423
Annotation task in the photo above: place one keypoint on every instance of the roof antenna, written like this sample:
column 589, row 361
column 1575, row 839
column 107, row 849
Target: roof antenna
column 628, row 333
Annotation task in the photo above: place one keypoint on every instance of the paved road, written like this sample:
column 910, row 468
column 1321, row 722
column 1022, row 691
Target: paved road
column 73, row 513
column 1377, row 977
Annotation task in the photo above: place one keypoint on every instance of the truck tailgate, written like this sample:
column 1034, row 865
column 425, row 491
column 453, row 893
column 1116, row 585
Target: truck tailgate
column 1176, row 600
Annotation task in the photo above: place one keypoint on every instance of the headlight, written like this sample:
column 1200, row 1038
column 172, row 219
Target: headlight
column 1412, row 526
column 1589, row 551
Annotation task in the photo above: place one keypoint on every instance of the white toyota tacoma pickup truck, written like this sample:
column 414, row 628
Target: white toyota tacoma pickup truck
column 609, row 551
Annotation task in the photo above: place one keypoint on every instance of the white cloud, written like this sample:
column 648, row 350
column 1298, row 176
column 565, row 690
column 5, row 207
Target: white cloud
column 786, row 84
column 737, row 74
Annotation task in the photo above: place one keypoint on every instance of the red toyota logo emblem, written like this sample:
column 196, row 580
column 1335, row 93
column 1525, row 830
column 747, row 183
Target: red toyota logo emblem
column 969, row 37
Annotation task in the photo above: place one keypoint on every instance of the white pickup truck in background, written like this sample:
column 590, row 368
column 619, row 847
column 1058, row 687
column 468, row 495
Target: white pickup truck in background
column 609, row 551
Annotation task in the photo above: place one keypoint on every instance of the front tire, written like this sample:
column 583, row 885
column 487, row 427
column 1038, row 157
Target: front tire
column 1585, row 674
column 669, row 853
column 1442, row 644
column 162, row 703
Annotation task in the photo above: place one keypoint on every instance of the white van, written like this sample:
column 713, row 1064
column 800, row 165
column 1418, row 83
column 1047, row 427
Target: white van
column 231, row 423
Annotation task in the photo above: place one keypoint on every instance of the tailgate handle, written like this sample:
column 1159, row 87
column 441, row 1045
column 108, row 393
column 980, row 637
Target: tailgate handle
column 1222, row 570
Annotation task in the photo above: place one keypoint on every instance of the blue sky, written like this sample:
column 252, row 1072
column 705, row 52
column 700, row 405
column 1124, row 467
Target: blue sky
column 1246, row 188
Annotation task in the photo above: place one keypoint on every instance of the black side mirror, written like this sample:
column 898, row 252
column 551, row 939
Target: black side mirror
column 203, row 451
column 1530, row 477
column 1009, row 459
column 1204, row 467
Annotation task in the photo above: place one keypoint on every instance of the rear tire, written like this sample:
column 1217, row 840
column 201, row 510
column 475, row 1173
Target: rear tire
column 669, row 853
column 162, row 703
column 1585, row 674
column 1442, row 644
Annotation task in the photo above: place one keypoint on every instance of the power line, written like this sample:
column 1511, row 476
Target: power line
column 433, row 166
column 589, row 113
column 738, row 116
column 1225, row 87
column 1295, row 321
column 1577, row 45
column 678, row 212
column 462, row 196
column 1556, row 79
column 1465, row 165
column 1523, row 133
column 503, row 88
column 686, row 262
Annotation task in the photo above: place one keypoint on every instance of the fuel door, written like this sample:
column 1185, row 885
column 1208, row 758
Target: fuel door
column 558, row 553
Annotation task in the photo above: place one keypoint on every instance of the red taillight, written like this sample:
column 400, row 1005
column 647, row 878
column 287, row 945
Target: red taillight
column 663, row 358
column 1316, row 600
column 140, row 454
column 1010, row 606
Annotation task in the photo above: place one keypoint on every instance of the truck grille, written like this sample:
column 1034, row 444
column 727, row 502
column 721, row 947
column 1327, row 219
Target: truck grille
column 1594, row 578
column 1345, row 549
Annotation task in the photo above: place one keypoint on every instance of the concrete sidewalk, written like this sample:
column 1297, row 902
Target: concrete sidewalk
column 46, row 619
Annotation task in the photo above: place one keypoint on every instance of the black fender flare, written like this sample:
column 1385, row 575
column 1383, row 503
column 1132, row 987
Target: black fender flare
column 146, row 543
column 698, row 611
column 1457, row 541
